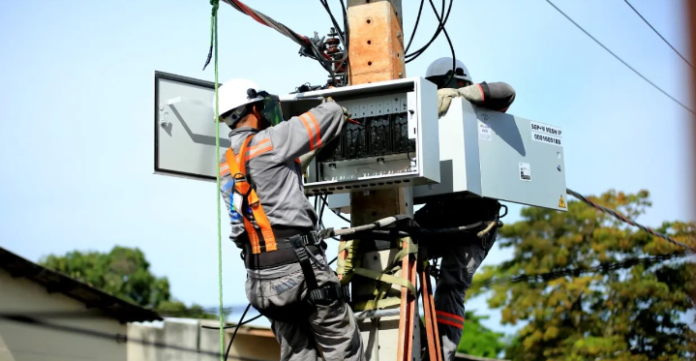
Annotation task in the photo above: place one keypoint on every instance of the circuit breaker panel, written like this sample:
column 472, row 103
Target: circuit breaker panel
column 391, row 140
column 484, row 153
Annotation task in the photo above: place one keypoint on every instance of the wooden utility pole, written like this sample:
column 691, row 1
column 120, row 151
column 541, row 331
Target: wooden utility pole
column 376, row 53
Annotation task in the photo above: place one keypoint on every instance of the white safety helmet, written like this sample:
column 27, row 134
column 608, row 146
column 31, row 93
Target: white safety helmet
column 443, row 67
column 234, row 96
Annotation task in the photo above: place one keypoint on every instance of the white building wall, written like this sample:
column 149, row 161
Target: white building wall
column 23, row 342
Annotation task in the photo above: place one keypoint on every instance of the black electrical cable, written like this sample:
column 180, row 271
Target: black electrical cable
column 338, row 214
column 342, row 35
column 334, row 21
column 415, row 27
column 323, row 205
column 440, row 27
column 441, row 24
column 449, row 41
column 234, row 334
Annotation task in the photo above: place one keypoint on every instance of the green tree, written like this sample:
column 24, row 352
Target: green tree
column 124, row 273
column 620, row 314
column 478, row 340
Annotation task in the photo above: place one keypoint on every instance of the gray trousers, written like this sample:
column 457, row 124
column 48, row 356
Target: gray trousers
column 331, row 326
column 459, row 264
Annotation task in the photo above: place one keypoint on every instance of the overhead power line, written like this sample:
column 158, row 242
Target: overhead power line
column 618, row 58
column 658, row 33
column 575, row 272
column 622, row 218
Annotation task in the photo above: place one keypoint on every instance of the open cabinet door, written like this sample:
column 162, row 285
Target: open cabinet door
column 185, row 127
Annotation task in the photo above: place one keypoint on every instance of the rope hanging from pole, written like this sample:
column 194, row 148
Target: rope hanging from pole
column 214, row 49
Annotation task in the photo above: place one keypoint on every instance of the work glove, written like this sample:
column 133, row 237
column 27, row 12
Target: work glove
column 306, row 159
column 471, row 93
column 346, row 115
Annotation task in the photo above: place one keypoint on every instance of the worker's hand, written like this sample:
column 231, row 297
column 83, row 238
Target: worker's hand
column 346, row 114
column 444, row 98
column 472, row 93
column 306, row 159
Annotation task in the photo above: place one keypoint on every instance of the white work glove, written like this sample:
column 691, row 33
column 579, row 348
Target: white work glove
column 306, row 159
column 346, row 115
column 471, row 93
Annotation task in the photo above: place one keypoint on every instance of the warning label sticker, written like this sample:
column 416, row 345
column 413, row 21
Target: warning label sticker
column 546, row 134
column 525, row 172
column 561, row 203
column 485, row 132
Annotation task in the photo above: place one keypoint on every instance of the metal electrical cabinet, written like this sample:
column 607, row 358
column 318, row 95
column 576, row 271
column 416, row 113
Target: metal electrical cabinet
column 484, row 153
column 394, row 145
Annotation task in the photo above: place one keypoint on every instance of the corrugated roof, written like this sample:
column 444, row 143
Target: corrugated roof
column 56, row 282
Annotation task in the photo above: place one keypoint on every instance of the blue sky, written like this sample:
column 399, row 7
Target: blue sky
column 76, row 113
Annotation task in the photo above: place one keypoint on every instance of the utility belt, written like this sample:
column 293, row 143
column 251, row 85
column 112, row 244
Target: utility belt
column 286, row 239
column 299, row 246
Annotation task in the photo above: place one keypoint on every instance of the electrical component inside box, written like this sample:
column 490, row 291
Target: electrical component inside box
column 375, row 136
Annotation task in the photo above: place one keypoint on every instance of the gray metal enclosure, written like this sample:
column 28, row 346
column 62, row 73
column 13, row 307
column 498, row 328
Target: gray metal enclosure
column 484, row 153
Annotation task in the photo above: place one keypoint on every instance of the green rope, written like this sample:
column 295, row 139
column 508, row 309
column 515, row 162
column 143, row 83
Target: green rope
column 214, row 44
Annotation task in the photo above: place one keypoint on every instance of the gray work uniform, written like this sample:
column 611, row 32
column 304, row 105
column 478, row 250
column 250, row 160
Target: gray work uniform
column 278, row 291
column 461, row 254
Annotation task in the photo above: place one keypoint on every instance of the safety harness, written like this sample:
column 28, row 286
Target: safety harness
column 265, row 250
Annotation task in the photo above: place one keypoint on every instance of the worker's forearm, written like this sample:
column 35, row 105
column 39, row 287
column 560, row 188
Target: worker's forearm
column 496, row 96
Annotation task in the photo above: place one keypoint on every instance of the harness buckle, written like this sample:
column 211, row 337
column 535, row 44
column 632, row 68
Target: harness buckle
column 240, row 177
column 328, row 293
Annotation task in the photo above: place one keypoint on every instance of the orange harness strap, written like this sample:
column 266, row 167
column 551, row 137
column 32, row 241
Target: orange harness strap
column 242, row 186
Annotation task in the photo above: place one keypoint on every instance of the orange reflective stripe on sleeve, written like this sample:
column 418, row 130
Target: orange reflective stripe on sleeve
column 224, row 169
column 309, row 131
column 316, row 126
column 257, row 152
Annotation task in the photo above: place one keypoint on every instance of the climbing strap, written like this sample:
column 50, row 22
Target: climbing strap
column 348, row 259
column 388, row 279
column 242, row 186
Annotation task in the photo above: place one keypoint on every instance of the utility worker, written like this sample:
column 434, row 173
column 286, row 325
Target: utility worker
column 273, row 222
column 461, row 254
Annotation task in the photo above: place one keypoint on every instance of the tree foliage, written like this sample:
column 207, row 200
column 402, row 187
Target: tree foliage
column 477, row 340
column 124, row 273
column 630, row 314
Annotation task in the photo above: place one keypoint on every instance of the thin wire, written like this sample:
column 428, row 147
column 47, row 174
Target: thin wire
column 415, row 27
column 234, row 334
column 420, row 51
column 604, row 267
column 626, row 220
column 658, row 33
column 449, row 41
column 618, row 58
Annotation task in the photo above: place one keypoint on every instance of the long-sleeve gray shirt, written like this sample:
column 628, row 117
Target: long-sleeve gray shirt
column 273, row 168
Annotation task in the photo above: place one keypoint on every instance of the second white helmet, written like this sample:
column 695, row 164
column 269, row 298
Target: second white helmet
column 441, row 67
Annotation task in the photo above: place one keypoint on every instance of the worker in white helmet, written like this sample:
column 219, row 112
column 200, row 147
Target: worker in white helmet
column 288, row 279
column 461, row 254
